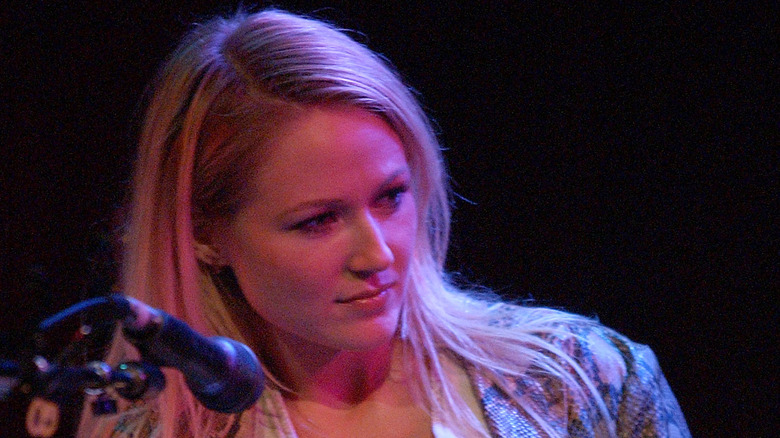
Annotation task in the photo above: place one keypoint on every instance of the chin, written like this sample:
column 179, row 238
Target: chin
column 369, row 336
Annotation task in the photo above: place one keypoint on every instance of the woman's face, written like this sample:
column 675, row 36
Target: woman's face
column 321, row 249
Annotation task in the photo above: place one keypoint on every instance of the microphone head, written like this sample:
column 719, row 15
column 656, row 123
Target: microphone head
column 241, row 384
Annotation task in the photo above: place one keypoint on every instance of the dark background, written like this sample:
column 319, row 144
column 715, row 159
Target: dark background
column 618, row 161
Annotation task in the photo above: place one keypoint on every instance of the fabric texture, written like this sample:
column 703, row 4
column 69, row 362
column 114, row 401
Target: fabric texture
column 626, row 374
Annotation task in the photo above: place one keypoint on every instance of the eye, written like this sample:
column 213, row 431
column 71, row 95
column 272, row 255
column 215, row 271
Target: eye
column 392, row 198
column 318, row 224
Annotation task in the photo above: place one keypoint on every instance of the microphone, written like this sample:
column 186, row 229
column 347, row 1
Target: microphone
column 223, row 374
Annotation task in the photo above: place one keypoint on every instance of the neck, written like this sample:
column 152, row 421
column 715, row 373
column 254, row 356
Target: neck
column 335, row 378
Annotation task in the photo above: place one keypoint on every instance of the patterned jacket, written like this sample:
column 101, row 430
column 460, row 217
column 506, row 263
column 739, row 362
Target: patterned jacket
column 626, row 374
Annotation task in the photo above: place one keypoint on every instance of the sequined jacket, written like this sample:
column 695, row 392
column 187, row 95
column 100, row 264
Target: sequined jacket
column 626, row 374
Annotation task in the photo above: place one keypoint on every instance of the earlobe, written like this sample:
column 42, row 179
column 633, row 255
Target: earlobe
column 209, row 255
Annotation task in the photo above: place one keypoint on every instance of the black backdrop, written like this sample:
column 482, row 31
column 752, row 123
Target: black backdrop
column 617, row 161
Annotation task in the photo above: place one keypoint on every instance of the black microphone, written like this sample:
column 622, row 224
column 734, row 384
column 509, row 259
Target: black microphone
column 223, row 374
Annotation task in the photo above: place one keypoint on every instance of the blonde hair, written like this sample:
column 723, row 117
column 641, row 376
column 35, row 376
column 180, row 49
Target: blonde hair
column 216, row 102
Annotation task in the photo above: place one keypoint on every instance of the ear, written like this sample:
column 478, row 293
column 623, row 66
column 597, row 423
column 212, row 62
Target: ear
column 209, row 255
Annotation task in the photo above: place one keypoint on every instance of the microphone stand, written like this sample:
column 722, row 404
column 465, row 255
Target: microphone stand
column 224, row 375
column 42, row 379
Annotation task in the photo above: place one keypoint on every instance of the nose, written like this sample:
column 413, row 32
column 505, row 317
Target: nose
column 370, row 252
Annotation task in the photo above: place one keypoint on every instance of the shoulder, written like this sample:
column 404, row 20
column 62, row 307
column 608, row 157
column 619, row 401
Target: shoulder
column 626, row 375
column 605, row 354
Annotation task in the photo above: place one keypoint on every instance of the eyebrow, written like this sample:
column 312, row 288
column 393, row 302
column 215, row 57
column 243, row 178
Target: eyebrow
column 336, row 203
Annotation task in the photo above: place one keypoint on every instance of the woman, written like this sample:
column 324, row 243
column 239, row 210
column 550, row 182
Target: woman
column 290, row 194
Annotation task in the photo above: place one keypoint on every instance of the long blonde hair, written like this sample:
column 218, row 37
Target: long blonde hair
column 215, row 104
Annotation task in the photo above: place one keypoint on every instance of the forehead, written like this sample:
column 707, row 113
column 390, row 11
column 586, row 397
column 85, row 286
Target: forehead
column 325, row 147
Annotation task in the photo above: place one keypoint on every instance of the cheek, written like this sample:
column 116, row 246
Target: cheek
column 404, row 232
column 283, row 275
column 277, row 295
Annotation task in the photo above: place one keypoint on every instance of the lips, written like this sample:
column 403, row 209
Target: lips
column 364, row 296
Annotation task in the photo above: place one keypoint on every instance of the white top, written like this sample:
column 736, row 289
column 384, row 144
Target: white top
column 280, row 425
